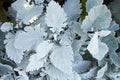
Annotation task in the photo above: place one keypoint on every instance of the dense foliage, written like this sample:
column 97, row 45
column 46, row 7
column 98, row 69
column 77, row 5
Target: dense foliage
column 73, row 40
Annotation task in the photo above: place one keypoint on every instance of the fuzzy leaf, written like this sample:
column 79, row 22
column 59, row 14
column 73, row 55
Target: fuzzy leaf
column 29, row 13
column 92, row 3
column 29, row 39
column 38, row 59
column 112, row 43
column 17, row 7
column 43, row 49
column 35, row 63
column 97, row 48
column 98, row 18
column 26, row 13
column 55, row 17
column 62, row 55
column 93, row 46
column 115, row 58
column 72, row 8
column 56, row 74
column 103, row 50
column 12, row 52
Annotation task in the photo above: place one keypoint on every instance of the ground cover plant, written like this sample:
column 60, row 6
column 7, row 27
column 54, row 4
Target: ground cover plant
column 60, row 40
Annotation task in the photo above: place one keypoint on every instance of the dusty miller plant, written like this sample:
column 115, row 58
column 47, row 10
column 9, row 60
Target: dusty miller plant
column 47, row 41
